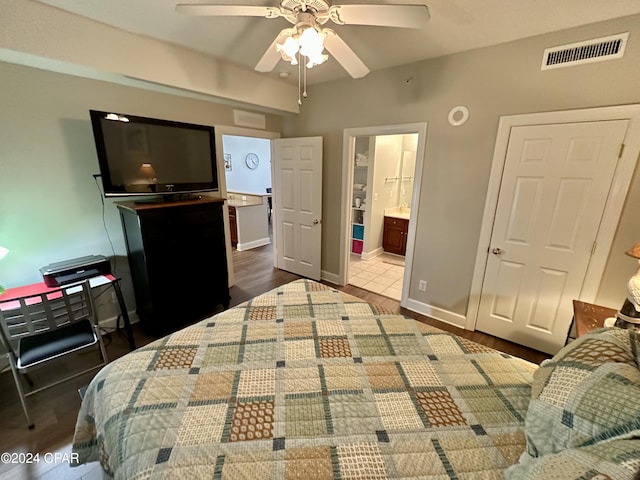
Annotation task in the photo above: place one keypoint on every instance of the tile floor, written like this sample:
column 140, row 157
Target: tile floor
column 382, row 274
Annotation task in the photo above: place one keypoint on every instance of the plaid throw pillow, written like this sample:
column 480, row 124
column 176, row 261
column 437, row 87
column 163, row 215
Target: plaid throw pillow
column 617, row 459
column 587, row 393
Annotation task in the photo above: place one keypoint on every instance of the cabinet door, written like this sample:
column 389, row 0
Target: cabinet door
column 394, row 239
column 186, row 264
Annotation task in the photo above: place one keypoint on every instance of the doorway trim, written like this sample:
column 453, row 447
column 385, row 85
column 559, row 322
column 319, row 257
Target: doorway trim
column 348, row 152
column 221, row 130
column 613, row 207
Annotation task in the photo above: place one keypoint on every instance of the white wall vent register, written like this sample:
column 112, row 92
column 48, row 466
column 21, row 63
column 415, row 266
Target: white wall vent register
column 589, row 51
column 249, row 119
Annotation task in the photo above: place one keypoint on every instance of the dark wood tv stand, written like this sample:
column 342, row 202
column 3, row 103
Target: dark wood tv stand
column 178, row 260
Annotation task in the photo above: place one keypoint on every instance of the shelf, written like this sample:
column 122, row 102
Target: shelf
column 360, row 193
column 356, row 246
column 357, row 231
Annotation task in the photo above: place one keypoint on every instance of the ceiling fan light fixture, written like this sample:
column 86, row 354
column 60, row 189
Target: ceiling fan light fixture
column 310, row 41
column 303, row 46
column 311, row 46
column 316, row 60
column 305, row 40
column 289, row 50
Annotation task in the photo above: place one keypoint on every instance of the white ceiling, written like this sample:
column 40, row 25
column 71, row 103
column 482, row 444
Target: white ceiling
column 455, row 26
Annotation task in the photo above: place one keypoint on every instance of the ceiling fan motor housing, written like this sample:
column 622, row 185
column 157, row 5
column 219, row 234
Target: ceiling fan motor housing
column 305, row 20
column 305, row 5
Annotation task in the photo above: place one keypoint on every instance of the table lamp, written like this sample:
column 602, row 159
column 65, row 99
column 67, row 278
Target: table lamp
column 148, row 173
column 630, row 311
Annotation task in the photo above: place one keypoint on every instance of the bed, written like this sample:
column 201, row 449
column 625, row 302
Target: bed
column 307, row 382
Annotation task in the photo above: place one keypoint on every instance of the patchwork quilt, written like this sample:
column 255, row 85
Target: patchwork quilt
column 307, row 382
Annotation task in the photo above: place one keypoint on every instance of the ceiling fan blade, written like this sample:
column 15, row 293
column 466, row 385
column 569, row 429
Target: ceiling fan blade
column 344, row 55
column 271, row 57
column 228, row 10
column 403, row 16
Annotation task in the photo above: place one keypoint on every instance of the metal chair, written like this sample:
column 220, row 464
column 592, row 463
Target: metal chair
column 37, row 329
column 269, row 203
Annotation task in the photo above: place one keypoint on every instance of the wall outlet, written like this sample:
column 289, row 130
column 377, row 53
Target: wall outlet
column 422, row 285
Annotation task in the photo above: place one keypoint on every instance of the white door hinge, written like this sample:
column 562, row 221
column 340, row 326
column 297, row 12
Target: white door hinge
column 594, row 246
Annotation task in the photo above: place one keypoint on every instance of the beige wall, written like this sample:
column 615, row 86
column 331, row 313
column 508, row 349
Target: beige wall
column 39, row 34
column 47, row 154
column 491, row 82
column 50, row 207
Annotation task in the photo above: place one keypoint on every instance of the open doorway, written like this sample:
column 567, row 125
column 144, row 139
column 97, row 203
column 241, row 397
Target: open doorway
column 235, row 160
column 297, row 185
column 382, row 173
column 247, row 169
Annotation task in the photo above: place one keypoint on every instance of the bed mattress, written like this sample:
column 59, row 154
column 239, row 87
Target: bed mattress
column 306, row 382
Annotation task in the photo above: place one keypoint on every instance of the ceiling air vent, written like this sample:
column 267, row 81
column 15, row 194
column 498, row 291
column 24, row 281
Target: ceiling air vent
column 589, row 51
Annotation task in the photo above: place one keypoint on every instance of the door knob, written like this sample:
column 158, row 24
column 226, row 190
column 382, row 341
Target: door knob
column 316, row 221
column 496, row 251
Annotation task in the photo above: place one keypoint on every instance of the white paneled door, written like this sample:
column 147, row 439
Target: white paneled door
column 554, row 189
column 297, row 188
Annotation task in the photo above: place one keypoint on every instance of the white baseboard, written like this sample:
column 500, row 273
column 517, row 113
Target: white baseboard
column 436, row 313
column 372, row 254
column 330, row 277
column 253, row 244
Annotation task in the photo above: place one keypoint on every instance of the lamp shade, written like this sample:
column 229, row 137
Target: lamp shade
column 147, row 171
column 634, row 251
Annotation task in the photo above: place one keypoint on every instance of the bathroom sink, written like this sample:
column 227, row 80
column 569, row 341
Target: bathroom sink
column 398, row 212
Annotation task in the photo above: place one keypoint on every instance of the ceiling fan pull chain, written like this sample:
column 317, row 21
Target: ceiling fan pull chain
column 304, row 93
column 299, row 78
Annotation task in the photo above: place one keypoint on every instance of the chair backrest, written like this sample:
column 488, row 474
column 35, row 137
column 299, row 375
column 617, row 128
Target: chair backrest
column 269, row 200
column 34, row 314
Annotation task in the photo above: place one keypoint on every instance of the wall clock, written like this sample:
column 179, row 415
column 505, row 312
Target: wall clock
column 252, row 160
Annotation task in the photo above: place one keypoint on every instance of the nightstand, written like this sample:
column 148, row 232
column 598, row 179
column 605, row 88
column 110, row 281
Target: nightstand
column 587, row 317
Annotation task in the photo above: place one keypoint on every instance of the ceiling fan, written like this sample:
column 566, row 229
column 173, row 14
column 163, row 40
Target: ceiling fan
column 306, row 40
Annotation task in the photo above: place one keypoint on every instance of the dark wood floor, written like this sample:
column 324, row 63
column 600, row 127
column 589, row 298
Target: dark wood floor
column 54, row 410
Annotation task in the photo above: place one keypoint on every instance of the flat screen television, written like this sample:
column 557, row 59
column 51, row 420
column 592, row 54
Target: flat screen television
column 148, row 156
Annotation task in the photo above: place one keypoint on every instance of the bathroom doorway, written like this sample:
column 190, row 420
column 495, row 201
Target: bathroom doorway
column 381, row 187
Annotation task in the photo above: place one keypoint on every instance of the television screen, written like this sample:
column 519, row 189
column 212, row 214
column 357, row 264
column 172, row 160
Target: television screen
column 146, row 156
